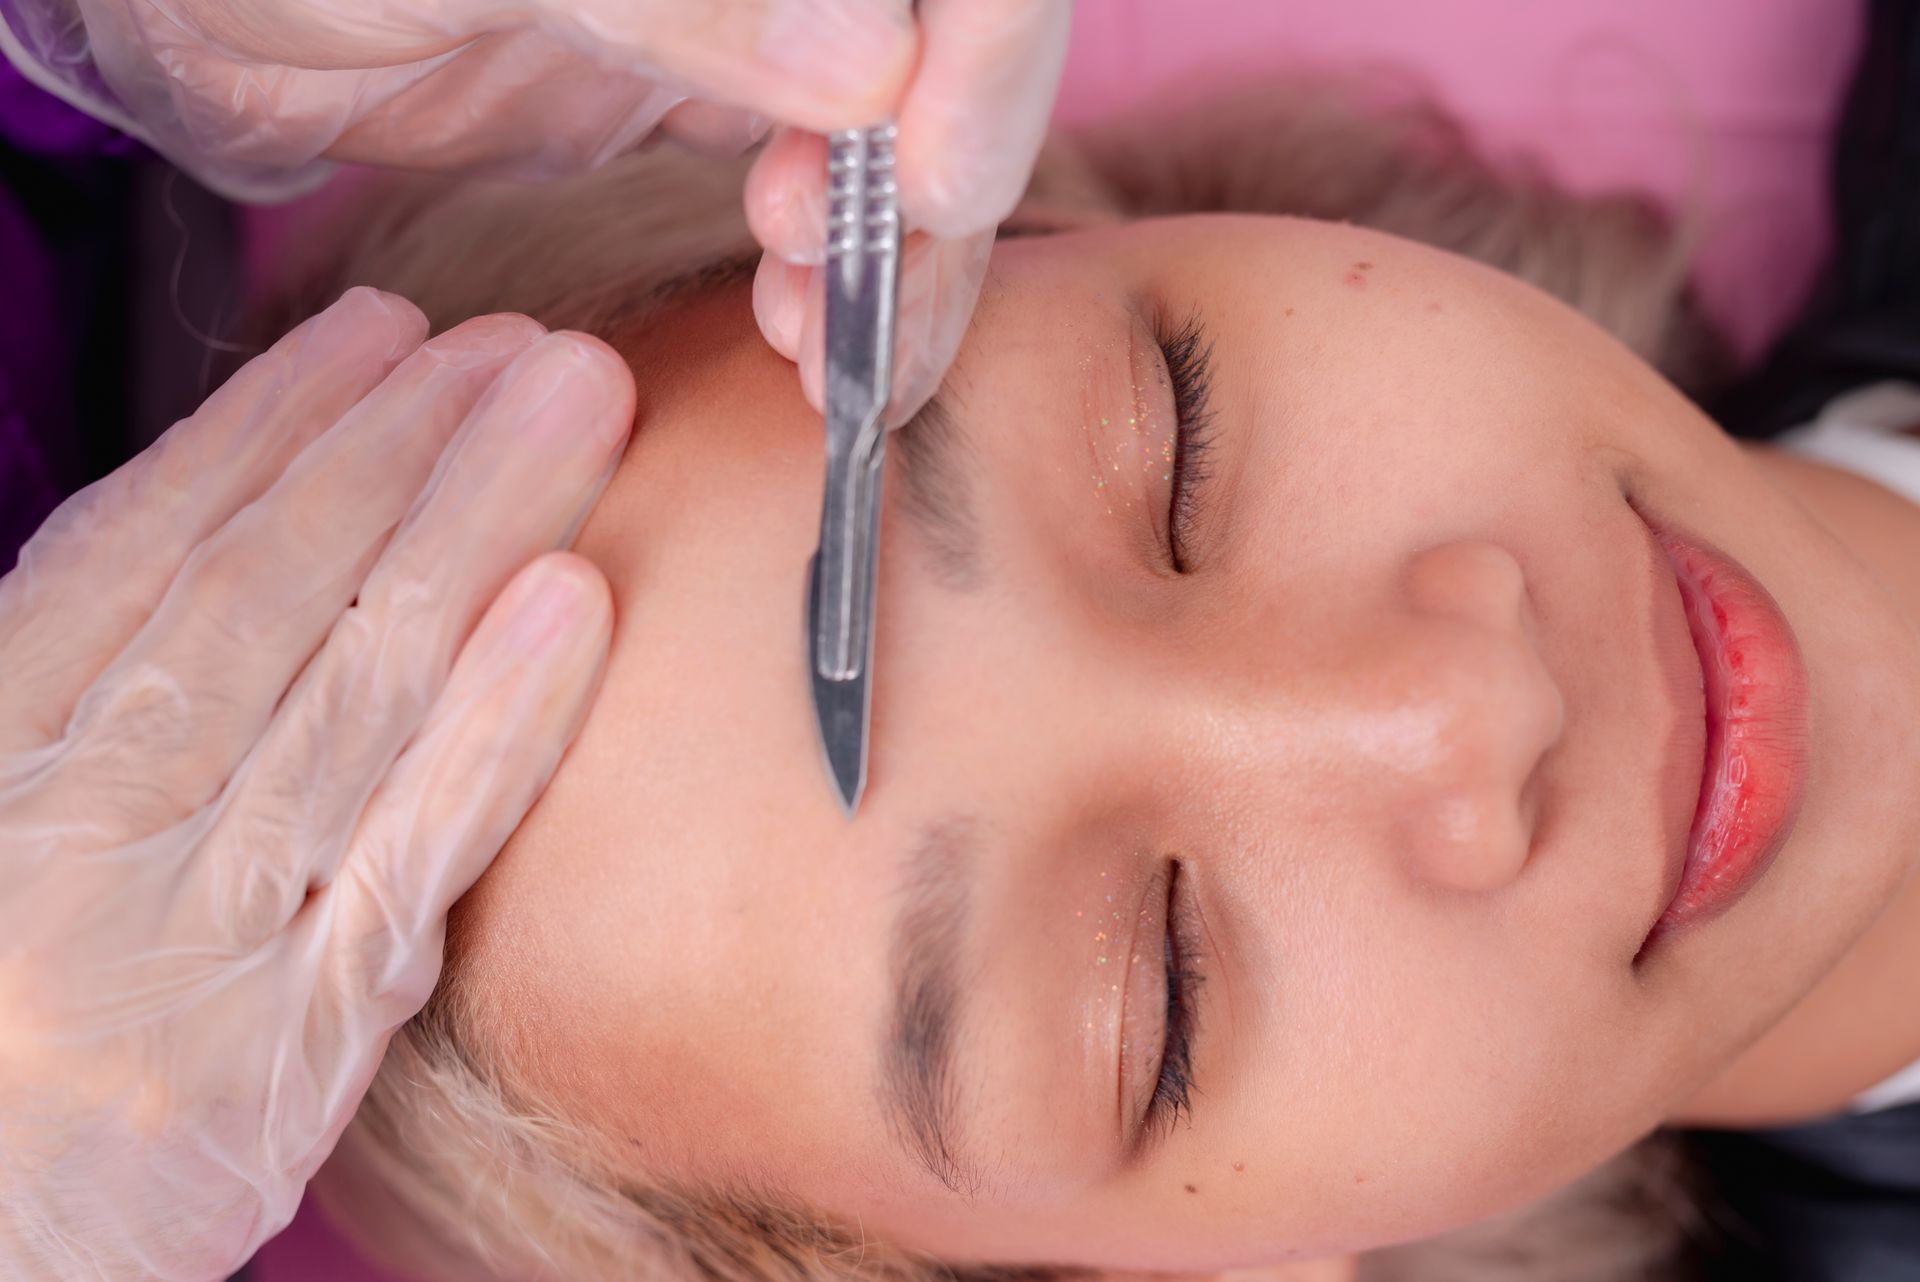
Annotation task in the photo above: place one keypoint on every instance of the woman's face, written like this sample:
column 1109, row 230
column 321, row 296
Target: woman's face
column 1264, row 832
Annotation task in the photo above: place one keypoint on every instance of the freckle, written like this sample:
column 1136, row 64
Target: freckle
column 1289, row 311
column 1193, row 1188
column 1239, row 1166
column 1359, row 1179
column 1363, row 267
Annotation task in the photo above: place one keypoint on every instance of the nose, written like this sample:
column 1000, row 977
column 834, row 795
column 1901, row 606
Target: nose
column 1453, row 710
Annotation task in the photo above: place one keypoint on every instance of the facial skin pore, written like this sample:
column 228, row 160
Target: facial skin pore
column 1393, row 739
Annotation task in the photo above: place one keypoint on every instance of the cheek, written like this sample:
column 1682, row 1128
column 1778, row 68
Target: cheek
column 1455, row 1066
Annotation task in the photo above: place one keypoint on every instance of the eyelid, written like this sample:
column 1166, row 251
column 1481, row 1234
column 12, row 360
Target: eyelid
column 1141, row 1012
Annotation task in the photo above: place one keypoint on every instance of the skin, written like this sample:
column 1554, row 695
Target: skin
column 1407, row 722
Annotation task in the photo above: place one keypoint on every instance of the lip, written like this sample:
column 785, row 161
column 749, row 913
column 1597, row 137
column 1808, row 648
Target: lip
column 1754, row 686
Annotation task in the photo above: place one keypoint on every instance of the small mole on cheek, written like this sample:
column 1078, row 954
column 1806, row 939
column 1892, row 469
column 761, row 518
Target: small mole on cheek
column 1289, row 311
column 1193, row 1188
column 1239, row 1166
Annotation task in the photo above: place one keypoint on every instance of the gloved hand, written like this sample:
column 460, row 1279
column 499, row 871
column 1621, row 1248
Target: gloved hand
column 246, row 96
column 253, row 745
column 970, row 127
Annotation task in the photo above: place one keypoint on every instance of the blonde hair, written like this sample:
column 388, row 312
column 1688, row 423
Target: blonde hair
column 452, row 1168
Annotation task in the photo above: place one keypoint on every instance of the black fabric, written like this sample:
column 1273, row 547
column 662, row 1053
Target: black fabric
column 1862, row 323
column 1833, row 1201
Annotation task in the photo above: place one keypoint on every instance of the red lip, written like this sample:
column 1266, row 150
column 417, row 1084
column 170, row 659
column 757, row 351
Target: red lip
column 1755, row 687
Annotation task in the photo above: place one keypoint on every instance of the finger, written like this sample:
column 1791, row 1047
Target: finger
column 822, row 64
column 817, row 64
column 939, row 284
column 529, row 461
column 786, row 197
column 779, row 303
column 520, row 103
column 711, row 129
column 515, row 700
column 92, row 575
column 977, row 110
column 813, row 339
column 159, row 734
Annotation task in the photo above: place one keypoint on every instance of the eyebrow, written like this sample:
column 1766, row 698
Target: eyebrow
column 932, row 448
column 917, row 1062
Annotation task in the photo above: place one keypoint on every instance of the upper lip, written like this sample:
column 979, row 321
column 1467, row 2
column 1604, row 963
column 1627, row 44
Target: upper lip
column 1683, row 760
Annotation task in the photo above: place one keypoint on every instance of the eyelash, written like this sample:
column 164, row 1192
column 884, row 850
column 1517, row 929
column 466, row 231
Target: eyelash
column 1189, row 360
column 1173, row 1092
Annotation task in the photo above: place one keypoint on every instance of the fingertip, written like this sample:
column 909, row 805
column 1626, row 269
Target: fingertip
column 364, row 310
column 596, row 381
column 485, row 338
column 779, row 300
column 559, row 606
column 813, row 343
column 786, row 197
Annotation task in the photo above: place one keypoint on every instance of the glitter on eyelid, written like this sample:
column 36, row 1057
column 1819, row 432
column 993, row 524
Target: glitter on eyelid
column 1101, row 960
column 1099, row 934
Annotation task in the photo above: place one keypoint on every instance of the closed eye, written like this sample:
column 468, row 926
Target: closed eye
column 1173, row 1087
column 1188, row 354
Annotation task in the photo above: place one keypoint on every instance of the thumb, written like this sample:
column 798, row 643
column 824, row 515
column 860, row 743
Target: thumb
column 816, row 64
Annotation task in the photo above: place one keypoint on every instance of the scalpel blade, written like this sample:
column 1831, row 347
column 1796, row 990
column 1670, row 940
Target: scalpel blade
column 863, row 253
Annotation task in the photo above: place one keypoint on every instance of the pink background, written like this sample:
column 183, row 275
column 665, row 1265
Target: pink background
column 1721, row 106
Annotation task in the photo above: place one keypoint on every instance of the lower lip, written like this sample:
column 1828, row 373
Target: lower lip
column 1756, row 701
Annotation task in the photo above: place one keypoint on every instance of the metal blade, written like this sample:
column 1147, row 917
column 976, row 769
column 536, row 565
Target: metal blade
column 842, row 705
column 863, row 251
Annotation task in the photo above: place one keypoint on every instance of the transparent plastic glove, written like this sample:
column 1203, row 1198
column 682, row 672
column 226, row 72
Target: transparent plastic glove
column 970, row 127
column 247, row 94
column 275, row 694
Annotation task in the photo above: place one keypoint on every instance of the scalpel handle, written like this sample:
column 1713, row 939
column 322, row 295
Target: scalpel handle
column 862, row 282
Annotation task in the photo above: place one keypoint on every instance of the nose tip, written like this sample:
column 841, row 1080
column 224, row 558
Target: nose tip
column 1480, row 711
